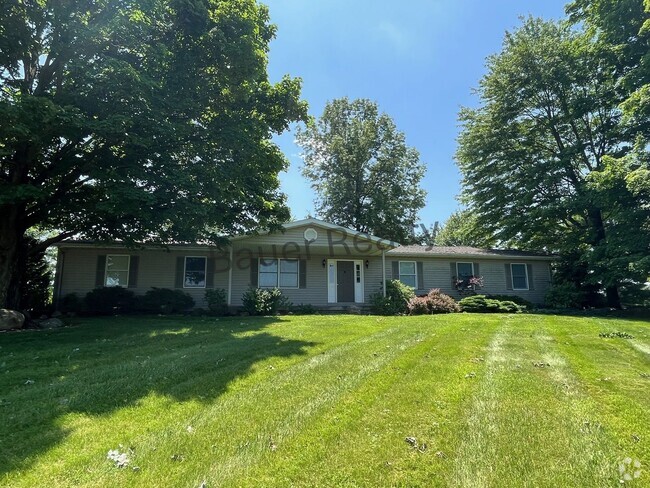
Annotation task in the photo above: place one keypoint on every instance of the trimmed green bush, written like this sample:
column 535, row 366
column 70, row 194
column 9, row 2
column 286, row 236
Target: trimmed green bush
column 434, row 302
column 265, row 301
column 396, row 301
column 483, row 304
column 522, row 302
column 165, row 301
column 109, row 300
column 71, row 303
column 564, row 295
column 217, row 300
column 304, row 309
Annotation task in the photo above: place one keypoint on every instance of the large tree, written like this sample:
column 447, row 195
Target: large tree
column 463, row 228
column 136, row 120
column 536, row 155
column 364, row 174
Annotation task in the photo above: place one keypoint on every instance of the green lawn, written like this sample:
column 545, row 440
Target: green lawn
column 489, row 400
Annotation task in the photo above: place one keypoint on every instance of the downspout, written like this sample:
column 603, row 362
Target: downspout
column 383, row 271
column 230, row 266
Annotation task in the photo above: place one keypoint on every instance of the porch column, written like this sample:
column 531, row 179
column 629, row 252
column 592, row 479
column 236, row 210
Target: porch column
column 383, row 271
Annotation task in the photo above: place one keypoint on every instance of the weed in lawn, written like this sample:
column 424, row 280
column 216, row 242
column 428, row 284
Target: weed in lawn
column 612, row 335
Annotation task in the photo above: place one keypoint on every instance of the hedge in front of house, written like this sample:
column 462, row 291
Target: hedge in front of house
column 396, row 301
column 483, row 304
column 265, row 301
column 434, row 302
column 109, row 300
column 165, row 301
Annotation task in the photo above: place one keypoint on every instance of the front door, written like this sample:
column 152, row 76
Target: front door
column 345, row 281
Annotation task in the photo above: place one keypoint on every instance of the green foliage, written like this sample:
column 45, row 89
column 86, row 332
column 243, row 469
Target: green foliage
column 71, row 303
column 547, row 160
column 434, row 302
column 564, row 295
column 396, row 301
column 364, row 174
column 522, row 302
column 139, row 121
column 165, row 301
column 463, row 228
column 32, row 284
column 265, row 301
column 109, row 300
column 217, row 300
column 483, row 304
column 304, row 309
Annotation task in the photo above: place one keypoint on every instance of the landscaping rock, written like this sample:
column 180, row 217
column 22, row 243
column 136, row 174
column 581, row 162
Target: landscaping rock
column 10, row 319
column 51, row 324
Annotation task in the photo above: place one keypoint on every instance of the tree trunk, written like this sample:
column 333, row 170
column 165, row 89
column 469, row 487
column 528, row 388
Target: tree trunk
column 596, row 218
column 9, row 238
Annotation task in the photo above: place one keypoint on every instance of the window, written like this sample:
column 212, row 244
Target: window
column 288, row 273
column 519, row 274
column 464, row 271
column 407, row 273
column 195, row 271
column 117, row 270
column 282, row 273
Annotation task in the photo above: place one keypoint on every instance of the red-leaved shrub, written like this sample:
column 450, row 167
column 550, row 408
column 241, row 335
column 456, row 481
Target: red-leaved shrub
column 434, row 302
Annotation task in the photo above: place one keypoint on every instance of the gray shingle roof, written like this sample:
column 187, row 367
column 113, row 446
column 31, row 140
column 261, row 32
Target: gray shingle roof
column 465, row 251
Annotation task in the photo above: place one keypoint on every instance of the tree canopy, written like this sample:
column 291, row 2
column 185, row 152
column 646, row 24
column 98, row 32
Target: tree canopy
column 548, row 160
column 462, row 228
column 138, row 121
column 364, row 174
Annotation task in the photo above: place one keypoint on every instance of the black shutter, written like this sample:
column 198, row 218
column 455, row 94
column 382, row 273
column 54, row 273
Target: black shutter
column 477, row 270
column 302, row 270
column 254, row 268
column 395, row 274
column 529, row 267
column 209, row 272
column 452, row 270
column 508, row 277
column 101, row 271
column 420, row 268
column 134, row 262
column 180, row 271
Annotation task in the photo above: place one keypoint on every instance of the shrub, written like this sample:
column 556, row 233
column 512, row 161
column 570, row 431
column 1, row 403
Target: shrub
column 434, row 302
column 165, row 301
column 217, row 300
column 109, row 300
column 304, row 309
column 71, row 303
column 396, row 301
column 522, row 302
column 564, row 295
column 263, row 301
column 483, row 304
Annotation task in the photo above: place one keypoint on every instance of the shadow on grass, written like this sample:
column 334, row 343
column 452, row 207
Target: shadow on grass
column 110, row 363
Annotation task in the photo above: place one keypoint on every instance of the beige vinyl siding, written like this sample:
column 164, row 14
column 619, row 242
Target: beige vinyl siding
column 315, row 292
column 437, row 274
column 157, row 268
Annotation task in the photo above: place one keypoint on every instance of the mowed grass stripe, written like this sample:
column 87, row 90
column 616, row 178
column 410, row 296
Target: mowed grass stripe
column 236, row 428
column 416, row 395
column 616, row 376
column 529, row 423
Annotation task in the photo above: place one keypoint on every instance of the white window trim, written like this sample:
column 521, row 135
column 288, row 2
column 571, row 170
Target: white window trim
column 277, row 274
column 463, row 262
column 128, row 269
column 415, row 267
column 205, row 272
column 512, row 277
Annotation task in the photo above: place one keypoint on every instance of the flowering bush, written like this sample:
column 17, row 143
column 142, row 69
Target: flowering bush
column 434, row 302
column 468, row 284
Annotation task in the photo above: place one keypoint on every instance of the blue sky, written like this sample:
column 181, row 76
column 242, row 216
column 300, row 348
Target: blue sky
column 418, row 59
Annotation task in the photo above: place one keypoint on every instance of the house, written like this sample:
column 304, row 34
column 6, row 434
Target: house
column 311, row 261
